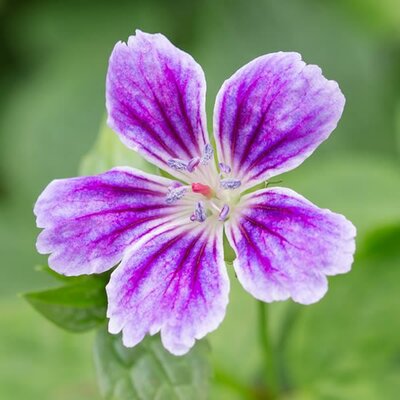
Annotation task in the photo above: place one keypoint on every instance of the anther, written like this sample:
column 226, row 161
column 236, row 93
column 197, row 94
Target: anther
column 230, row 183
column 224, row 168
column 224, row 213
column 193, row 163
column 174, row 194
column 207, row 154
column 177, row 165
column 200, row 212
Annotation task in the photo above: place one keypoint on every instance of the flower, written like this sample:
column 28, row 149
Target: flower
column 268, row 118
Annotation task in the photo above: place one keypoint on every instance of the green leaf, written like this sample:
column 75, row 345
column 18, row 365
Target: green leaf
column 109, row 152
column 148, row 371
column 78, row 306
column 347, row 346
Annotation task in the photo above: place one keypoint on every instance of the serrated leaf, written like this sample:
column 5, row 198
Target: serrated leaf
column 78, row 306
column 108, row 152
column 148, row 371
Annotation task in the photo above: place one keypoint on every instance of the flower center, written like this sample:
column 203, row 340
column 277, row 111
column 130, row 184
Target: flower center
column 216, row 193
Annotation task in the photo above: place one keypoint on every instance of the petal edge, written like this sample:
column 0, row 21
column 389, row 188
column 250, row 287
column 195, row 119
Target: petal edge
column 155, row 98
column 272, row 114
column 177, row 284
column 286, row 246
column 89, row 221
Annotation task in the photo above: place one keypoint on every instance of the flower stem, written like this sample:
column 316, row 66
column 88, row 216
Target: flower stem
column 270, row 366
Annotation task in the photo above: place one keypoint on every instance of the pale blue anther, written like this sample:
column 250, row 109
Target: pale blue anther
column 226, row 169
column 229, row 183
column 200, row 212
column 207, row 154
column 174, row 194
column 177, row 165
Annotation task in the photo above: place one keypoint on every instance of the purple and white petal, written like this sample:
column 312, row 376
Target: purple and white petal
column 156, row 100
column 286, row 246
column 174, row 282
column 272, row 114
column 89, row 221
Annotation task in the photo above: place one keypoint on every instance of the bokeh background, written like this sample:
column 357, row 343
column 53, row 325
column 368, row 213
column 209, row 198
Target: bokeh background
column 53, row 60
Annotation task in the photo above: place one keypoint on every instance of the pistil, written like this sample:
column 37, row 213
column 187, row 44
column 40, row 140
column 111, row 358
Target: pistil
column 205, row 190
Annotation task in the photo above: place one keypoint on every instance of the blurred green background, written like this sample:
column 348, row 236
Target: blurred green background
column 53, row 60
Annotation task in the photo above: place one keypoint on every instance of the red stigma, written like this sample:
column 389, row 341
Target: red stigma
column 205, row 190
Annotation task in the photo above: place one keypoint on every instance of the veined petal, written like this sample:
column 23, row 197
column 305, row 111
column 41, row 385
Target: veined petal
column 286, row 246
column 89, row 221
column 174, row 282
column 272, row 114
column 156, row 100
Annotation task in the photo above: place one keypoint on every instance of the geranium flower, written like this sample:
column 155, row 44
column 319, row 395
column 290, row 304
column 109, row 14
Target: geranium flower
column 268, row 118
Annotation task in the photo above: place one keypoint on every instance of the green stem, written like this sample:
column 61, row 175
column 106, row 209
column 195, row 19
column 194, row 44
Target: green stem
column 270, row 367
column 291, row 315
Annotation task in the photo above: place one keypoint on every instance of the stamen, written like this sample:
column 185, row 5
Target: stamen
column 193, row 163
column 224, row 213
column 205, row 190
column 207, row 154
column 224, row 168
column 177, row 165
column 174, row 194
column 200, row 212
column 229, row 183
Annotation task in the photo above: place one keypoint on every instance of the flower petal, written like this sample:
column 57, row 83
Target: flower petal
column 286, row 246
column 176, row 282
column 272, row 114
column 156, row 100
column 89, row 221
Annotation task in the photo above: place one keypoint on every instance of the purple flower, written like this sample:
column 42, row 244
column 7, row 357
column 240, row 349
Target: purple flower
column 268, row 118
